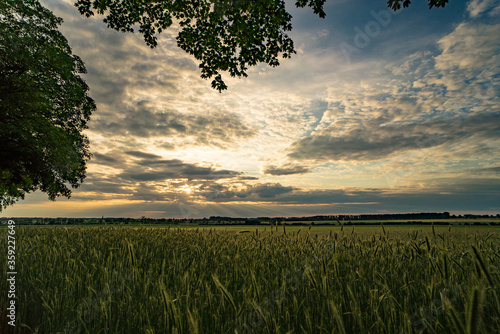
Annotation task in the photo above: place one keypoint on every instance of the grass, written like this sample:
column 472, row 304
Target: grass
column 207, row 280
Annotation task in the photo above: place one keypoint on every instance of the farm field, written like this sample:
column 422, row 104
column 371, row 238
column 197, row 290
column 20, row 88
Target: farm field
column 247, row 279
column 326, row 229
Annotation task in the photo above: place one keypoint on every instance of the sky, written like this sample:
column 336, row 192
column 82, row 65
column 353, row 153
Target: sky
column 378, row 112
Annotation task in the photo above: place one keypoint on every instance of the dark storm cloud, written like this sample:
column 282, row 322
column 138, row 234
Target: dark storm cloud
column 372, row 140
column 286, row 170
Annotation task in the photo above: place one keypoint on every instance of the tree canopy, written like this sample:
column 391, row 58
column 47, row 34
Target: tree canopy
column 396, row 4
column 44, row 105
column 223, row 35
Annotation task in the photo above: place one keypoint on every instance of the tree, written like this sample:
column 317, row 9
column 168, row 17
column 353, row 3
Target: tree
column 44, row 106
column 223, row 35
column 396, row 4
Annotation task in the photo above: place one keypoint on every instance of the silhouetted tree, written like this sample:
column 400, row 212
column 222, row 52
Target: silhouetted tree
column 223, row 35
column 44, row 105
column 396, row 4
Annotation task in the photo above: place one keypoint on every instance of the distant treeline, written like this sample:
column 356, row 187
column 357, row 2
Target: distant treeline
column 389, row 219
column 391, row 216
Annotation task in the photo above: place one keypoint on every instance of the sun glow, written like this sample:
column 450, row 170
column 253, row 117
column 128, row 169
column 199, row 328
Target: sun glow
column 186, row 189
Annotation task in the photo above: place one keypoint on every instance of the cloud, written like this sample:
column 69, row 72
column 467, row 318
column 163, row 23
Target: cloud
column 471, row 51
column 143, row 155
column 476, row 7
column 159, row 169
column 210, row 128
column 286, row 170
column 373, row 140
column 434, row 192
column 144, row 93
column 486, row 171
column 103, row 158
column 238, row 190
column 427, row 100
column 270, row 190
column 474, row 173
column 150, row 177
column 443, row 194
column 464, row 76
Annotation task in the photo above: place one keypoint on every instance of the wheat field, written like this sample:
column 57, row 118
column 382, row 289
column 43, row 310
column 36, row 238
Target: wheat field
column 169, row 280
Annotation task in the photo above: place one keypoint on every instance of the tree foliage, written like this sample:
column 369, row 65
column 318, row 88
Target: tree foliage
column 223, row 35
column 44, row 106
column 396, row 4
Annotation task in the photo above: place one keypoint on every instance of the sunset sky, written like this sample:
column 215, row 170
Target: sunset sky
column 377, row 112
